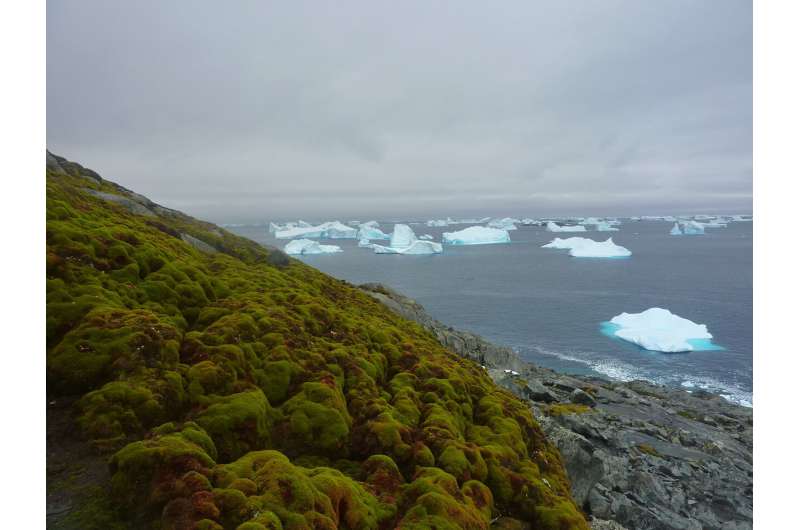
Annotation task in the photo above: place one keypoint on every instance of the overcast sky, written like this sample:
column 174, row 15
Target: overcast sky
column 251, row 111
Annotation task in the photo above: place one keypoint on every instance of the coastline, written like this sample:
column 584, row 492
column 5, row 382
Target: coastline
column 639, row 454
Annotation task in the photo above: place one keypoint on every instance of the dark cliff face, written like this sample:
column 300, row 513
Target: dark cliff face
column 229, row 386
column 643, row 455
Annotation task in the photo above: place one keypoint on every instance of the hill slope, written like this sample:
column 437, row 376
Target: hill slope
column 233, row 387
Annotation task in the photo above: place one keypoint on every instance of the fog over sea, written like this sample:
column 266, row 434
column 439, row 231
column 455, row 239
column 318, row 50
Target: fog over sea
column 549, row 306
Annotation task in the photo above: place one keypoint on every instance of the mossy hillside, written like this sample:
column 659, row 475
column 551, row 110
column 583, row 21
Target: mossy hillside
column 211, row 374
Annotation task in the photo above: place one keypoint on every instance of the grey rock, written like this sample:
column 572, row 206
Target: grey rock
column 582, row 398
column 126, row 202
column 202, row 246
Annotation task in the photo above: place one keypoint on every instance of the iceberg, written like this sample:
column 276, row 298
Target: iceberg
column 313, row 232
column 581, row 247
column 404, row 241
column 553, row 227
column 676, row 230
column 604, row 226
column 402, row 236
column 371, row 232
column 660, row 330
column 476, row 235
column 417, row 247
column 329, row 230
column 307, row 246
column 365, row 243
column 692, row 228
column 434, row 223
column 426, row 236
column 507, row 223
column 337, row 230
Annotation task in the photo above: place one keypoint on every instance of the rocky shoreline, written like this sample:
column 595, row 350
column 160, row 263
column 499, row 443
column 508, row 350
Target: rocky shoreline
column 640, row 456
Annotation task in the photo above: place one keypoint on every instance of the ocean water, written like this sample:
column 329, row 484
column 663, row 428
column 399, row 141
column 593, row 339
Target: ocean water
column 550, row 307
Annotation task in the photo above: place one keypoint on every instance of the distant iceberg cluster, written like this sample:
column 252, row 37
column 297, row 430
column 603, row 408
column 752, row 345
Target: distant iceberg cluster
column 553, row 227
column 658, row 329
column 688, row 228
column 581, row 247
column 476, row 235
column 404, row 241
column 506, row 223
column 308, row 246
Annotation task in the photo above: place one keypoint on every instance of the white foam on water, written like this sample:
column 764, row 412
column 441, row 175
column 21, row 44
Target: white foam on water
column 622, row 371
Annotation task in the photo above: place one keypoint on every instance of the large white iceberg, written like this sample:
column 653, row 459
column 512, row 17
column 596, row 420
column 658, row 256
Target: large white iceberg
column 581, row 247
column 507, row 223
column 404, row 241
column 476, row 235
column 659, row 330
column 553, row 227
column 329, row 230
column 307, row 246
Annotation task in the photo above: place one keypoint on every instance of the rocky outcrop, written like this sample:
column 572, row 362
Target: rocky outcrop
column 638, row 455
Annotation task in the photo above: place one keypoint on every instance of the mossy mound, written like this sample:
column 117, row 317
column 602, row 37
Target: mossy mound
column 243, row 389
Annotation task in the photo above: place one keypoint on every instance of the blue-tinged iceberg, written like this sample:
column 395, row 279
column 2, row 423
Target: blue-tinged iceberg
column 660, row 330
column 476, row 235
column 692, row 228
column 553, row 227
column 307, row 246
column 676, row 230
column 506, row 223
column 581, row 247
column 404, row 241
column 371, row 230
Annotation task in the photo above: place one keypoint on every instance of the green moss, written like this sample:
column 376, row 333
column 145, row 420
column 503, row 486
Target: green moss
column 316, row 406
column 561, row 409
column 317, row 419
column 161, row 459
column 238, row 423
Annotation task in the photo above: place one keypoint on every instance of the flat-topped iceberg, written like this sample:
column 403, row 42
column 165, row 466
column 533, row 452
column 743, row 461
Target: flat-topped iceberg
column 553, row 227
column 329, row 230
column 506, row 223
column 658, row 329
column 581, row 247
column 404, row 241
column 307, row 246
column 417, row 247
column 476, row 235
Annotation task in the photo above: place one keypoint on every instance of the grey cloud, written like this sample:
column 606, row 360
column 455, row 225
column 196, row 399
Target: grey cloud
column 258, row 110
